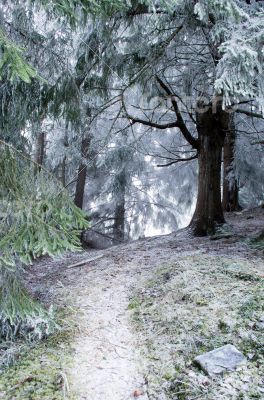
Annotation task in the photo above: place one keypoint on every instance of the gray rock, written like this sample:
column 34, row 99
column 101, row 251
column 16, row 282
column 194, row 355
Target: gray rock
column 96, row 240
column 218, row 236
column 259, row 326
column 220, row 360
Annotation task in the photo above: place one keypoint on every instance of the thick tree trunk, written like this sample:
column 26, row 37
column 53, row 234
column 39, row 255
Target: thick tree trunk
column 230, row 200
column 212, row 126
column 82, row 171
column 208, row 210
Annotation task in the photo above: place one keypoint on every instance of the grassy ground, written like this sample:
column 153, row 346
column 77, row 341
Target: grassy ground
column 38, row 371
column 195, row 305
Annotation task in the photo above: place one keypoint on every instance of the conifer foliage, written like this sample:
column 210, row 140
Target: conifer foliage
column 37, row 218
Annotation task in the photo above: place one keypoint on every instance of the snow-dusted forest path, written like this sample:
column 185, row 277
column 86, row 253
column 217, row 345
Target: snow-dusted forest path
column 106, row 361
column 107, row 364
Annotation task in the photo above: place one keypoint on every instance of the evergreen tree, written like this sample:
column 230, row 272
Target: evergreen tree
column 37, row 215
column 203, row 56
column 37, row 218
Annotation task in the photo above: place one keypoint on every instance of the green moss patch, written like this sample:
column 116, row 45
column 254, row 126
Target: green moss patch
column 39, row 373
column 258, row 241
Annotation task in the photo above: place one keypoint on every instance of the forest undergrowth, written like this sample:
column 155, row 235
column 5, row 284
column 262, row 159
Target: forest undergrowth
column 36, row 370
column 136, row 315
column 195, row 305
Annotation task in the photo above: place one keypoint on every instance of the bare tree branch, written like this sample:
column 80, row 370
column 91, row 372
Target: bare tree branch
column 249, row 113
column 177, row 161
column 181, row 124
column 154, row 124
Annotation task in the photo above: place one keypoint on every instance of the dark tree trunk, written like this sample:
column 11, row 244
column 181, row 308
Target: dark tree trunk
column 119, row 222
column 230, row 185
column 40, row 149
column 82, row 171
column 63, row 171
column 120, row 209
column 64, row 161
column 211, row 126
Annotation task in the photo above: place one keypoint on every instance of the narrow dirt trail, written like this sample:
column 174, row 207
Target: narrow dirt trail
column 106, row 362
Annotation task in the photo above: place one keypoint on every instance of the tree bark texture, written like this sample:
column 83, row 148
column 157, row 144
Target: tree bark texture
column 230, row 184
column 82, row 172
column 212, row 125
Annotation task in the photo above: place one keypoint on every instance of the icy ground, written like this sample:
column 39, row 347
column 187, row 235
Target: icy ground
column 115, row 357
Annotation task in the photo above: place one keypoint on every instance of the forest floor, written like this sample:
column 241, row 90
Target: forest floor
column 141, row 312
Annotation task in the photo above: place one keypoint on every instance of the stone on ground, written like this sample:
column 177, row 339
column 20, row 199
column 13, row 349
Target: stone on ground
column 221, row 360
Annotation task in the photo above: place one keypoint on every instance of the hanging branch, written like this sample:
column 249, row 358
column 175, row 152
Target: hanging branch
column 180, row 121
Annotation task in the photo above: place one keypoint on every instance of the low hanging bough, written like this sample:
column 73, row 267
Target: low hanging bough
column 21, row 315
column 37, row 218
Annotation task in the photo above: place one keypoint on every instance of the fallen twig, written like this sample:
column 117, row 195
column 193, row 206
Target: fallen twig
column 83, row 262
